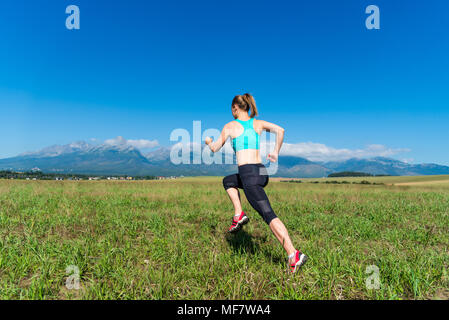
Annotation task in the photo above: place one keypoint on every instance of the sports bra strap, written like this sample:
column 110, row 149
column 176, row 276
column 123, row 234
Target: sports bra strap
column 249, row 139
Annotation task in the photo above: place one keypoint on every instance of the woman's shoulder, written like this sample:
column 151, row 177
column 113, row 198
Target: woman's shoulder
column 259, row 123
column 231, row 124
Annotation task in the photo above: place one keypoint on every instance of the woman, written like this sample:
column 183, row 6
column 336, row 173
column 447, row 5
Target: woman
column 252, row 176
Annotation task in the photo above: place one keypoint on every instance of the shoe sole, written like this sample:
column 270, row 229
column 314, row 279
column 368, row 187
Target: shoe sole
column 302, row 261
column 239, row 225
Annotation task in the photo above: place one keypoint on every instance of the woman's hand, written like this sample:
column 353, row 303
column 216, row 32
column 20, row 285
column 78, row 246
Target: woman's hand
column 273, row 156
column 208, row 140
column 279, row 131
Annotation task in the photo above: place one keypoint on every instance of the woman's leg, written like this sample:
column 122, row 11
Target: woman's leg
column 231, row 184
column 281, row 233
column 234, row 195
column 259, row 201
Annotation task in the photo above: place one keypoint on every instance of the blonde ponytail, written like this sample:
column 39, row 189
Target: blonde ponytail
column 247, row 103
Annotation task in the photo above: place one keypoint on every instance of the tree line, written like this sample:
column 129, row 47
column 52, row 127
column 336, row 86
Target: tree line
column 354, row 174
column 39, row 175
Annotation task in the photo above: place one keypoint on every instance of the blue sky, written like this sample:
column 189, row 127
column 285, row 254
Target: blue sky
column 139, row 69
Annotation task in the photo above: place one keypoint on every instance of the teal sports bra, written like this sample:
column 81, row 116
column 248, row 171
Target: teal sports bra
column 249, row 139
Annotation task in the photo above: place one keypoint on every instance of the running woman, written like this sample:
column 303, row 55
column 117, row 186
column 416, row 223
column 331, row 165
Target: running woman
column 252, row 175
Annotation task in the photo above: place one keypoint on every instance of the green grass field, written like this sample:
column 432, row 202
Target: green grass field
column 167, row 240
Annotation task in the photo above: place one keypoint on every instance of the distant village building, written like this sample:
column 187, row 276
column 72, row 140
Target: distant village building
column 165, row 178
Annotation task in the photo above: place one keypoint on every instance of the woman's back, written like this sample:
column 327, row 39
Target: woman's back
column 245, row 140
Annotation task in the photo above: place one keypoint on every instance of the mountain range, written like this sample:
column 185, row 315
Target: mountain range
column 121, row 159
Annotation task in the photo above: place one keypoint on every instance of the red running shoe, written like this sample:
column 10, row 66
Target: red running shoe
column 237, row 224
column 300, row 260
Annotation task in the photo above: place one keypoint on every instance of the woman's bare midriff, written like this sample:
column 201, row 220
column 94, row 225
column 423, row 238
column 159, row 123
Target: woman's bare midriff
column 248, row 156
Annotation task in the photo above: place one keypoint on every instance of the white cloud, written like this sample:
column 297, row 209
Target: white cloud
column 408, row 160
column 139, row 144
column 143, row 144
column 320, row 152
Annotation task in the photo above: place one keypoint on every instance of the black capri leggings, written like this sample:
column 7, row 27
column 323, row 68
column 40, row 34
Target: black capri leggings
column 252, row 178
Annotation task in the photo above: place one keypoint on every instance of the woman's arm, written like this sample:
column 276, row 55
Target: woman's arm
column 216, row 146
column 279, row 131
